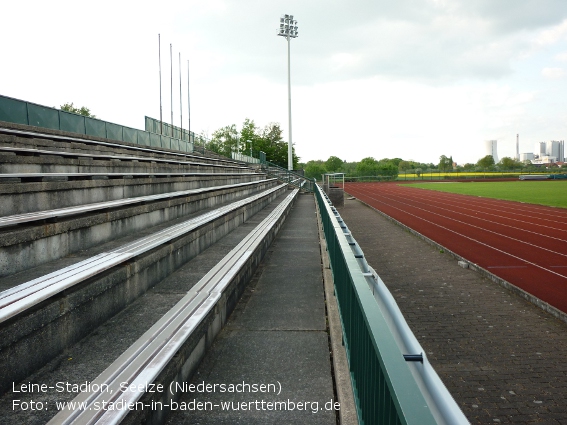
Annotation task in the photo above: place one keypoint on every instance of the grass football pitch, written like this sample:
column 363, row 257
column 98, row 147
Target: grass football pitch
column 552, row 193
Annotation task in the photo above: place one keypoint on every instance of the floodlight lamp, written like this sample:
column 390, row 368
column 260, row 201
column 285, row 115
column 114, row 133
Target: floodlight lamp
column 291, row 17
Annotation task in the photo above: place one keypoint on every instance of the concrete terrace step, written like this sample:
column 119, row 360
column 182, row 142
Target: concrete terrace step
column 33, row 334
column 25, row 238
column 85, row 360
column 9, row 153
column 278, row 336
column 21, row 198
column 18, row 160
column 22, row 136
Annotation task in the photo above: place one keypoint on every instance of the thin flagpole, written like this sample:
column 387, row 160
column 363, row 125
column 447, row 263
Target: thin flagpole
column 160, row 104
column 180, row 100
column 171, row 84
column 188, row 104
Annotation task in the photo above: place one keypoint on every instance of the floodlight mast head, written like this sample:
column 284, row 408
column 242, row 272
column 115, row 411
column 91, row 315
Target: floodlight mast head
column 288, row 27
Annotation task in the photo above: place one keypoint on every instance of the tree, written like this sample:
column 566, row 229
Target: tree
column 404, row 166
column 485, row 162
column 315, row 169
column 367, row 167
column 388, row 167
column 445, row 163
column 468, row 166
column 333, row 164
column 269, row 140
column 508, row 163
column 276, row 149
column 224, row 140
column 249, row 133
column 83, row 110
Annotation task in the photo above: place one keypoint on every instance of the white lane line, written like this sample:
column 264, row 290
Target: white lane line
column 556, row 229
column 474, row 240
column 478, row 227
column 490, row 205
column 507, row 267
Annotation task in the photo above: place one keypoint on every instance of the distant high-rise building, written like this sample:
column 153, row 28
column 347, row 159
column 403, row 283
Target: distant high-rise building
column 539, row 149
column 517, row 147
column 491, row 149
column 556, row 148
column 552, row 151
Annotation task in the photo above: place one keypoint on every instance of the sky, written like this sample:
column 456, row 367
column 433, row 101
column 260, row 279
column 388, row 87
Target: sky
column 413, row 79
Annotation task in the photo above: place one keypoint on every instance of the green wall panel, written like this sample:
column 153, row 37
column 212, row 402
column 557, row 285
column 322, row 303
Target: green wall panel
column 155, row 140
column 42, row 116
column 114, row 131
column 12, row 110
column 94, row 127
column 165, row 142
column 143, row 138
column 22, row 112
column 71, row 122
column 130, row 135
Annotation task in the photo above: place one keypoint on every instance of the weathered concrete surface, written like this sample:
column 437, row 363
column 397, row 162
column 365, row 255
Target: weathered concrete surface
column 85, row 360
column 277, row 335
column 20, row 198
column 501, row 357
column 24, row 247
column 118, row 147
column 11, row 163
column 37, row 335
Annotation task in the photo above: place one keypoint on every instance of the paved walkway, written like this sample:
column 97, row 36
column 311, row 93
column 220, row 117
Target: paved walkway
column 503, row 359
column 277, row 336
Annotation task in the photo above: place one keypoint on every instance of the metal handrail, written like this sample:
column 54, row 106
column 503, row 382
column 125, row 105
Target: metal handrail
column 390, row 372
column 288, row 176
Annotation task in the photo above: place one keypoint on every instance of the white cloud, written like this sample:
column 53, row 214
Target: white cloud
column 553, row 35
column 397, row 79
column 553, row 73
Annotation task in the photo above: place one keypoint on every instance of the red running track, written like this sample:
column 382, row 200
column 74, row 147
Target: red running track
column 524, row 244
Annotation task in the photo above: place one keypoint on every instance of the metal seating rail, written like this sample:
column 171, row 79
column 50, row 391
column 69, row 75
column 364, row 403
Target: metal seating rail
column 74, row 155
column 38, row 177
column 143, row 361
column 16, row 219
column 26, row 295
column 55, row 137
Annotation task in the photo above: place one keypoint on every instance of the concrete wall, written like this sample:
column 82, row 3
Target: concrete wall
column 20, row 198
column 30, row 340
column 30, row 246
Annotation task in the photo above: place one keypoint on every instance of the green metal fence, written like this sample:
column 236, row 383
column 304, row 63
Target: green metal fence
column 291, row 177
column 385, row 390
column 27, row 113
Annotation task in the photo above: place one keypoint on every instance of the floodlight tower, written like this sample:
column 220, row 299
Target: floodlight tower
column 288, row 29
